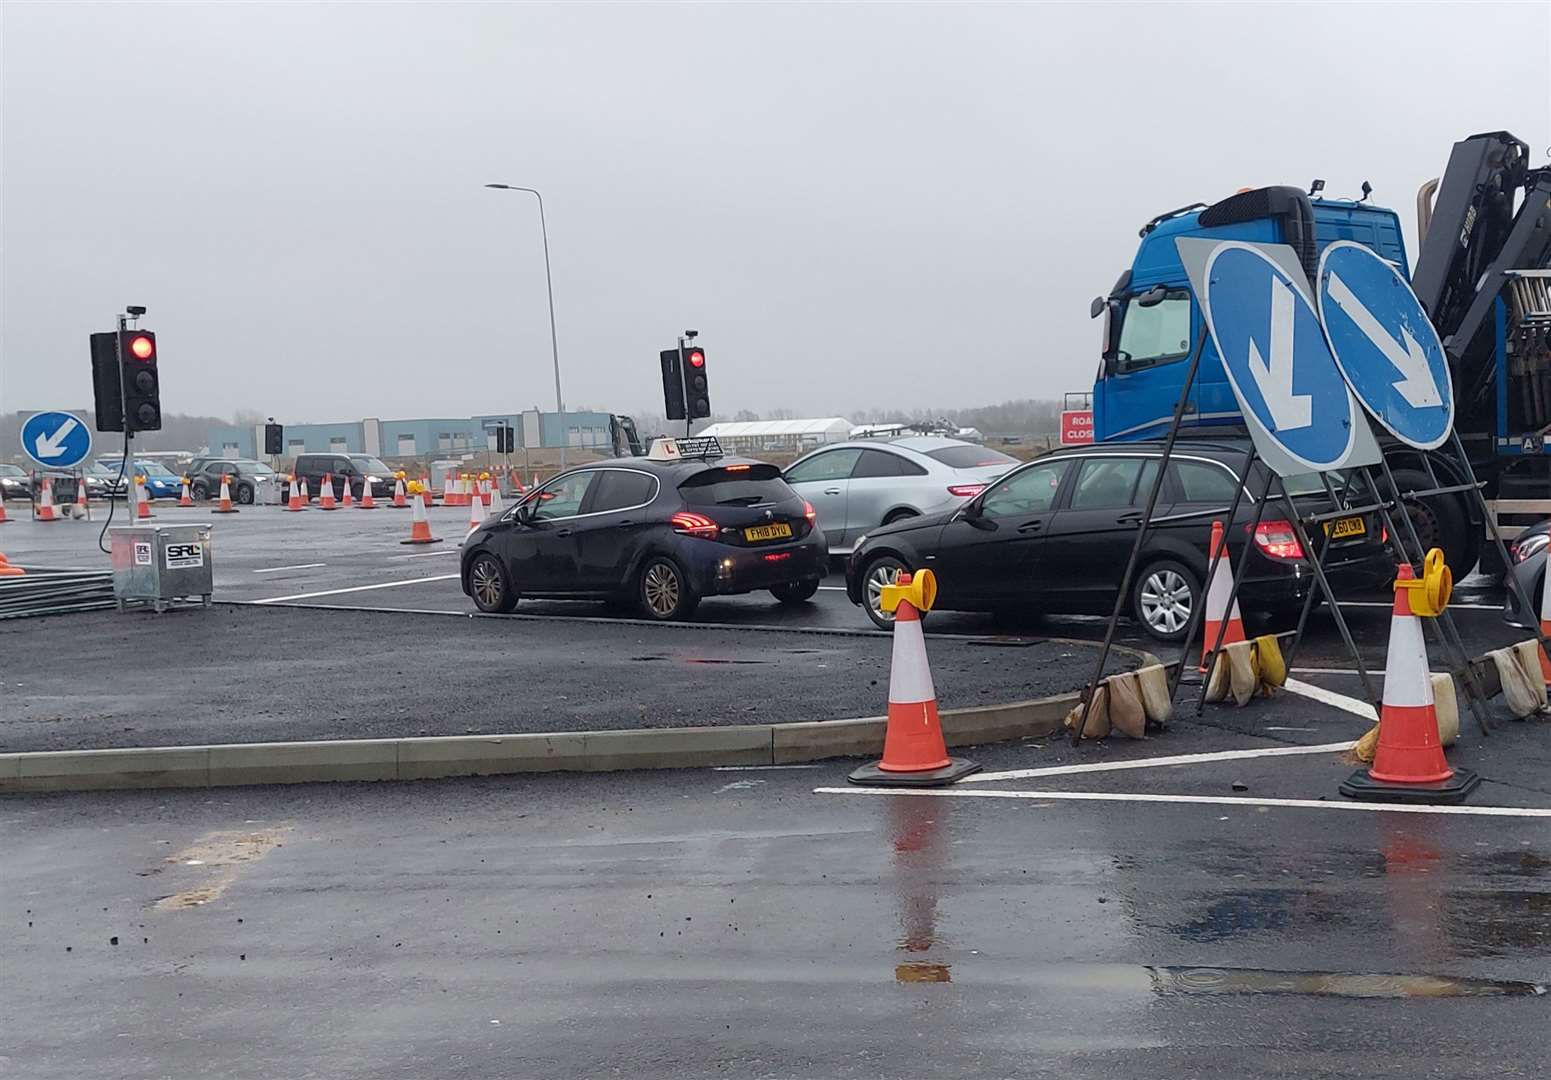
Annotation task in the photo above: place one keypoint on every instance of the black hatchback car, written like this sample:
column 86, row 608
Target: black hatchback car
column 661, row 534
column 1054, row 536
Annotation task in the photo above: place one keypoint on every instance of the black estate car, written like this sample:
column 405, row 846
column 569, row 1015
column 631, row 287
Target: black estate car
column 1054, row 535
column 661, row 534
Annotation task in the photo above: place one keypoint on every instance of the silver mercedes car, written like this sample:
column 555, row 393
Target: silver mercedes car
column 859, row 485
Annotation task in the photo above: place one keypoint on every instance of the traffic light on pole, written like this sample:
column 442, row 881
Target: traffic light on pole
column 672, row 384
column 107, row 389
column 142, row 388
column 274, row 435
column 696, row 389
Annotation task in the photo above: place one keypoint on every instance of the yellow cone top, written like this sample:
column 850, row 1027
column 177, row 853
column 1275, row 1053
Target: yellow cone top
column 920, row 589
column 1430, row 593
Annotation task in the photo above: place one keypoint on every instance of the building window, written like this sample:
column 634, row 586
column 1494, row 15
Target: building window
column 337, row 444
column 406, row 445
column 444, row 441
column 296, row 446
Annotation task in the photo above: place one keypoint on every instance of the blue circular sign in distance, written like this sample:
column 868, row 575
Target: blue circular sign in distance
column 56, row 440
column 1274, row 351
column 1385, row 345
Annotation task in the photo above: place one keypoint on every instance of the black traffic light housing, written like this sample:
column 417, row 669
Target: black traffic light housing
column 672, row 384
column 142, row 387
column 274, row 439
column 107, row 389
column 697, row 390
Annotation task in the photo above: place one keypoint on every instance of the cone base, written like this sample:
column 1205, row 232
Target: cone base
column 1453, row 790
column 432, row 540
column 956, row 769
column 233, row 510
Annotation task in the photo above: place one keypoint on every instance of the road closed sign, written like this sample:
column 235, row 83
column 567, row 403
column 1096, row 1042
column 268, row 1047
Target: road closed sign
column 1076, row 427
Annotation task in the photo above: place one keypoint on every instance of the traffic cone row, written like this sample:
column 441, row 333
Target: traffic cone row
column 80, row 497
column 420, row 527
column 914, row 751
column 1408, row 765
column 347, row 498
column 1217, row 593
column 225, row 506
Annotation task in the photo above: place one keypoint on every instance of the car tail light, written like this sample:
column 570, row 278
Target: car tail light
column 811, row 514
column 966, row 491
column 778, row 556
column 695, row 525
column 1277, row 539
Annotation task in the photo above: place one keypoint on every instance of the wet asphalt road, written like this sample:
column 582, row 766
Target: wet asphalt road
column 716, row 923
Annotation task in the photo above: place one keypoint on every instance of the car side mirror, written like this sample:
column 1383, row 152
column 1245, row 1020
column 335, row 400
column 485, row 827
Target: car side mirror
column 524, row 514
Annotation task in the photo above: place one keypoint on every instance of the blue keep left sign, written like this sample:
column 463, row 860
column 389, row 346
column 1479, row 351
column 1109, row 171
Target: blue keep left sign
column 1278, row 363
column 56, row 440
column 1385, row 345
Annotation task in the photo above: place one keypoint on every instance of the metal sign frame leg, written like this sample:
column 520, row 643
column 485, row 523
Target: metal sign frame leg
column 1307, row 608
column 1141, row 534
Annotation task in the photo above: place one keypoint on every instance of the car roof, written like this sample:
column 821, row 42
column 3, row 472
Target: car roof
column 681, row 468
column 921, row 444
column 1229, row 447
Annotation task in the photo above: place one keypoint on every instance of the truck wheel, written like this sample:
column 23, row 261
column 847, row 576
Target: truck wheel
column 1440, row 522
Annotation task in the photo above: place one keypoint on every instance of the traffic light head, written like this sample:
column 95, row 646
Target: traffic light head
column 274, row 435
column 142, row 387
column 672, row 384
column 696, row 389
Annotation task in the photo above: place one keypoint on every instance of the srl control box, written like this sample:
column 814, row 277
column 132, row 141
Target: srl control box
column 157, row 564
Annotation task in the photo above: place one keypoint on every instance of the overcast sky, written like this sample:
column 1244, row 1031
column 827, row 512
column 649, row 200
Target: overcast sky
column 857, row 205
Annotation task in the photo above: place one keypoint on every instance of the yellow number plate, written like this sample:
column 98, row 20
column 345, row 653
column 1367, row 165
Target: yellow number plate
column 1343, row 528
column 779, row 531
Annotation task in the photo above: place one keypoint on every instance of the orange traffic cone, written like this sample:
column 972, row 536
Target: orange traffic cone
column 367, row 502
column 142, row 500
column 476, row 511
column 1408, row 765
column 306, row 495
column 1217, row 600
column 7, row 570
column 294, row 501
column 420, row 528
column 494, row 507
column 326, row 495
column 185, row 497
column 1545, row 614
column 347, row 498
column 914, row 753
column 449, row 497
column 424, row 499
column 3, row 519
column 80, row 496
column 225, row 506
column 399, row 501
column 45, row 509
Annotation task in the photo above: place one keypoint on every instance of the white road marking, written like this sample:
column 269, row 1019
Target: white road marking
column 1196, row 800
column 426, row 554
column 1330, row 697
column 298, row 566
column 356, row 588
column 760, row 768
column 1158, row 762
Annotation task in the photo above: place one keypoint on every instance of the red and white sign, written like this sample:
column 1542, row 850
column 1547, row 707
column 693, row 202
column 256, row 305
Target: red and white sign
column 1076, row 427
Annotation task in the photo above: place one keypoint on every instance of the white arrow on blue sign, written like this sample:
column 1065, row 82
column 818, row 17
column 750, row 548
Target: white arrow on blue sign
column 56, row 440
column 1385, row 345
column 1276, row 357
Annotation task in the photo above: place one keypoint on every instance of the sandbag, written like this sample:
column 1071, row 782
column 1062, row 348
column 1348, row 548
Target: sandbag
column 1446, row 706
column 1126, row 715
column 1153, row 680
column 1270, row 666
column 1520, row 693
column 1527, row 655
column 1098, row 716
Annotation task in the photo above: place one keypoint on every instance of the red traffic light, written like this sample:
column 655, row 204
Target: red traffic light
column 141, row 347
column 696, row 358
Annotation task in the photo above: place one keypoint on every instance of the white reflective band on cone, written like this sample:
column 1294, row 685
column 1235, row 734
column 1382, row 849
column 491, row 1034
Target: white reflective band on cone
column 910, row 680
column 1407, row 680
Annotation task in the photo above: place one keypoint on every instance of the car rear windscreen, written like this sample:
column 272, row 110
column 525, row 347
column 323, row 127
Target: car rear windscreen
column 969, row 457
column 735, row 485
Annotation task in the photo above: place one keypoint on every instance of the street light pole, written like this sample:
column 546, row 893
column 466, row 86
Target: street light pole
column 549, row 281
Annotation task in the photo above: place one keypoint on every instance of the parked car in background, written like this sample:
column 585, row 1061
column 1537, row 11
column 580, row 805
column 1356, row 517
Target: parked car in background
column 101, row 481
column 1529, row 555
column 1054, row 536
column 356, row 469
column 857, row 486
column 658, row 534
column 15, row 482
column 246, row 479
column 160, row 481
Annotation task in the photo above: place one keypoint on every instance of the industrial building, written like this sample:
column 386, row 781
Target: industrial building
column 751, row 436
column 414, row 438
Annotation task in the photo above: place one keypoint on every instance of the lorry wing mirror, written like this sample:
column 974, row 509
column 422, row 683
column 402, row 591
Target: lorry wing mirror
column 1096, row 308
column 1152, row 297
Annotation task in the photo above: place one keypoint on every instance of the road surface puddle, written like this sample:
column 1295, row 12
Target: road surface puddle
column 219, row 856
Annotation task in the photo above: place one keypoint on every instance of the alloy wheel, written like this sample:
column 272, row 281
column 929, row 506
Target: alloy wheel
column 1166, row 601
column 660, row 588
column 485, row 580
column 879, row 576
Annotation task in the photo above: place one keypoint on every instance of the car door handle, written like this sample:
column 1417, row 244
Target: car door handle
column 1129, row 519
column 625, row 521
column 1031, row 526
column 562, row 532
column 832, row 491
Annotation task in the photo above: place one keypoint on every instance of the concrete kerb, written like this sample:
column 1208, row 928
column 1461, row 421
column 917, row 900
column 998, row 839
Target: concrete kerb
column 426, row 758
